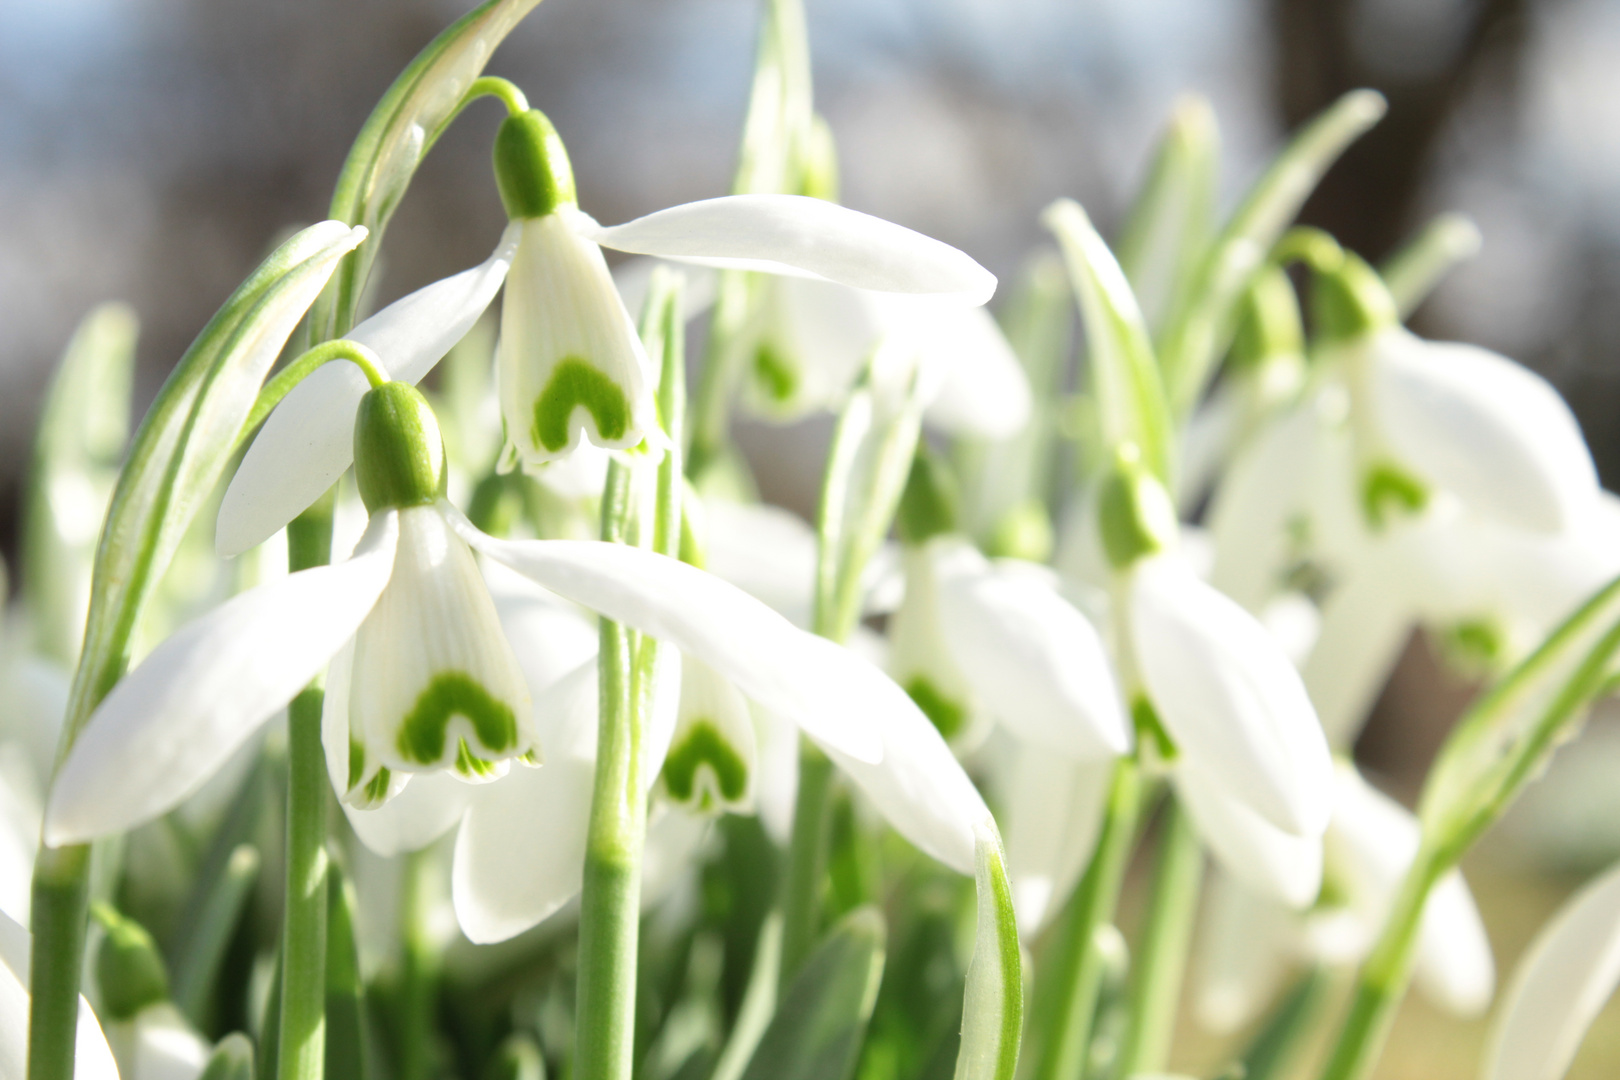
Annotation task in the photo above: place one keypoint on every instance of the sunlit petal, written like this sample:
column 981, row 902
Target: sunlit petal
column 177, row 717
column 1274, row 863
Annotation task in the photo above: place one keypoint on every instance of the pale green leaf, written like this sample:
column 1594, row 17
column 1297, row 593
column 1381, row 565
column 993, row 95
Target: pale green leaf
column 1413, row 272
column 993, row 1004
column 821, row 1022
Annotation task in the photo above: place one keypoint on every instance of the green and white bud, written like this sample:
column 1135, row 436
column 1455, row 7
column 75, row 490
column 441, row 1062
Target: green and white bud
column 399, row 457
column 1134, row 512
column 433, row 683
column 712, row 757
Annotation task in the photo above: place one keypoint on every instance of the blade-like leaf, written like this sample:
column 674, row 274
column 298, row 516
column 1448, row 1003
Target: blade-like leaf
column 1119, row 355
column 81, row 436
column 817, row 1031
column 1413, row 272
column 397, row 136
column 183, row 445
column 345, row 1049
column 993, row 1004
column 1199, row 330
column 1168, row 227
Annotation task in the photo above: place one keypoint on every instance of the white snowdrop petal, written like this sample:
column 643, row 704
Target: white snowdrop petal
column 1274, row 863
column 434, row 678
column 520, row 852
column 308, row 441
column 920, row 659
column 794, row 234
column 423, row 810
column 1370, row 845
column 982, row 387
column 1477, row 424
column 570, row 365
column 158, row 1043
column 1054, row 809
column 1364, row 627
column 178, row 716
column 812, row 341
column 832, row 694
column 919, row 786
column 767, row 552
column 1560, row 986
column 1245, row 946
column 778, row 787
column 1229, row 697
column 1038, row 664
column 93, row 1059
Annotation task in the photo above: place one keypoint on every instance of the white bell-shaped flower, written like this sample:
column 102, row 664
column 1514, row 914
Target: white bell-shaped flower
column 93, row 1059
column 712, row 761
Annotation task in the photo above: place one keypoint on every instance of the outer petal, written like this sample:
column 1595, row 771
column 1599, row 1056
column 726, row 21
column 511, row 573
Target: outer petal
column 520, row 853
column 918, row 785
column 767, row 552
column 1477, row 424
column 175, row 719
column 1037, row 663
column 1246, row 944
column 1370, row 844
column 308, row 441
column 1365, row 624
column 1229, row 697
column 793, row 234
column 1561, row 985
column 981, row 386
column 832, row 694
column 1054, row 809
column 1274, row 863
column 93, row 1059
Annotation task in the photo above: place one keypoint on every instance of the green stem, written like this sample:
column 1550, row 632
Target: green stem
column 610, row 901
column 1066, row 987
column 302, row 1054
column 419, row 977
column 61, row 896
column 1161, row 956
column 806, row 862
column 717, row 380
column 1384, row 976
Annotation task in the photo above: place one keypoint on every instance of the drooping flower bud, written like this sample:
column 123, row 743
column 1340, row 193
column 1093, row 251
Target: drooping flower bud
column 1134, row 511
column 1350, row 301
column 129, row 970
column 398, row 452
column 531, row 166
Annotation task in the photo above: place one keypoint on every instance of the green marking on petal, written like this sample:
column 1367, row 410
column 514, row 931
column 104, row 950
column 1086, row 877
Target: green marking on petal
column 450, row 694
column 357, row 762
column 377, row 791
column 575, row 383
column 775, row 372
column 472, row 766
column 1388, row 491
column 704, row 745
column 948, row 716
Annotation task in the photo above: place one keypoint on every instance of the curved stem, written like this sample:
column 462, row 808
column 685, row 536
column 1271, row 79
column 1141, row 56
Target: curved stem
column 369, row 363
column 1066, row 986
column 495, row 86
column 1161, row 956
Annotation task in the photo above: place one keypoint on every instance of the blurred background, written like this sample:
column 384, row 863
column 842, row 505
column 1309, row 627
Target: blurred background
column 153, row 150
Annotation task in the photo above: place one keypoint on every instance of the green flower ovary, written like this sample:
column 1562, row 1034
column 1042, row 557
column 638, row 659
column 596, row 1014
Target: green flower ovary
column 775, row 372
column 948, row 716
column 454, row 693
column 575, row 383
column 704, row 745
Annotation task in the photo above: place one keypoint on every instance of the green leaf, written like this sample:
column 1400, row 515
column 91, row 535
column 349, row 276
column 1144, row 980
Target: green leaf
column 214, row 912
column 1199, row 330
column 82, row 432
column 1168, row 228
column 993, row 1003
column 1119, row 355
column 1412, row 272
column 411, row 116
column 183, row 446
column 817, row 1031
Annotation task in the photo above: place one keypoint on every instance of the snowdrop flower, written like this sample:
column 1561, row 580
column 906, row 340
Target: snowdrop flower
column 1250, row 941
column 92, row 1058
column 1215, row 692
column 1566, row 975
column 570, row 365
